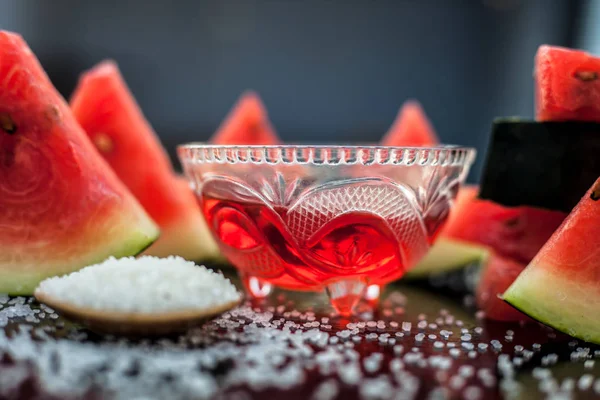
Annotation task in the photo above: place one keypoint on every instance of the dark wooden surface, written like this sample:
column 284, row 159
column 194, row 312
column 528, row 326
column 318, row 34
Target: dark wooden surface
column 420, row 298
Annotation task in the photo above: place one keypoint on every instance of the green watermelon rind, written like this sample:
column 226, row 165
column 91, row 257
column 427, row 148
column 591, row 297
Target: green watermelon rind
column 551, row 300
column 448, row 255
column 16, row 284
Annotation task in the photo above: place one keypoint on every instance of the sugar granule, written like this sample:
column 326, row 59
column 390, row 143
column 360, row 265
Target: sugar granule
column 145, row 285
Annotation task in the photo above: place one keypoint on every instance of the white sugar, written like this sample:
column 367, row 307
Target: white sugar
column 144, row 285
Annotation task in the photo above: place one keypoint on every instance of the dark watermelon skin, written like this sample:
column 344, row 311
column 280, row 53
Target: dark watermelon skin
column 547, row 165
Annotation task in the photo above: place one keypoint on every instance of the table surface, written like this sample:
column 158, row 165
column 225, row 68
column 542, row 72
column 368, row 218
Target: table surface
column 291, row 347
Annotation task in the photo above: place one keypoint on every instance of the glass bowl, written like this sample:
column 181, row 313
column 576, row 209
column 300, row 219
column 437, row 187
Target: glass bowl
column 345, row 219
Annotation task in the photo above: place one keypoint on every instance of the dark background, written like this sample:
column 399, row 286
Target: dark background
column 326, row 70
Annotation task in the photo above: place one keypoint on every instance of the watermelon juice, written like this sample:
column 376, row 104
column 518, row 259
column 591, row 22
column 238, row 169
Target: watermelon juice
column 356, row 245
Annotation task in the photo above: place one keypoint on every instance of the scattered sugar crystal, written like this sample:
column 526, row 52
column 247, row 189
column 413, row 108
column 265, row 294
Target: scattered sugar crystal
column 467, row 345
column 373, row 388
column 406, row 326
column 585, row 382
column 162, row 285
column 548, row 386
column 396, row 365
column 440, row 362
column 459, row 323
column 588, row 364
column 438, row 345
column 372, row 363
column 327, row 390
column 419, row 337
column 482, row 346
column 567, row 385
column 528, row 355
column 422, row 325
column 597, row 386
column 457, row 382
column 350, row 374
column 496, row 345
column 517, row 361
column 541, row 373
column 16, row 310
column 549, row 359
column 431, row 337
column 473, row 393
column 4, row 298
column 454, row 353
column 536, row 346
column 398, row 349
column 465, row 338
column 478, row 330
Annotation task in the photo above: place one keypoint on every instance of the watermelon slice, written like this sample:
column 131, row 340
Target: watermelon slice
column 109, row 114
column 517, row 232
column 496, row 276
column 567, row 85
column 246, row 124
column 560, row 285
column 62, row 208
column 411, row 128
column 450, row 251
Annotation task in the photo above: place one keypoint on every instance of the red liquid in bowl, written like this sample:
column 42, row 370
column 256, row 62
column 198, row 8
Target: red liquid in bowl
column 256, row 238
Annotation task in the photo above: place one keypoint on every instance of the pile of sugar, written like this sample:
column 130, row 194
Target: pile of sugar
column 144, row 285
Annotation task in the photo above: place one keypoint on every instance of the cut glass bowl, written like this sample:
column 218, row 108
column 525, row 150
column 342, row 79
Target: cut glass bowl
column 345, row 219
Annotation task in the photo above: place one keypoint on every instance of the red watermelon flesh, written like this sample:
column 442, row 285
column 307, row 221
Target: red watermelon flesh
column 246, row 124
column 513, row 237
column 62, row 207
column 517, row 233
column 108, row 112
column 559, row 287
column 411, row 128
column 499, row 273
column 567, row 85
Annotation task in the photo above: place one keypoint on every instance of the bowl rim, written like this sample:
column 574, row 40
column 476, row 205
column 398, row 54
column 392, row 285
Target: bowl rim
column 292, row 146
column 293, row 154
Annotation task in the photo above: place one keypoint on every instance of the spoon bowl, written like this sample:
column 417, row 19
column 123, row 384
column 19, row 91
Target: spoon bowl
column 134, row 323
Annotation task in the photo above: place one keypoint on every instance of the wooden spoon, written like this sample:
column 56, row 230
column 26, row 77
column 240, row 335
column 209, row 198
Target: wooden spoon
column 134, row 323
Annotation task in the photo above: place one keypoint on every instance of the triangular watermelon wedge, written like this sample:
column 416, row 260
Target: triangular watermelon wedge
column 246, row 124
column 61, row 206
column 411, row 128
column 559, row 287
column 108, row 112
column 567, row 85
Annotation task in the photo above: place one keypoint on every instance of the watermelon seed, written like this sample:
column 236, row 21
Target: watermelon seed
column 103, row 142
column 586, row 76
column 53, row 113
column 595, row 193
column 7, row 124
